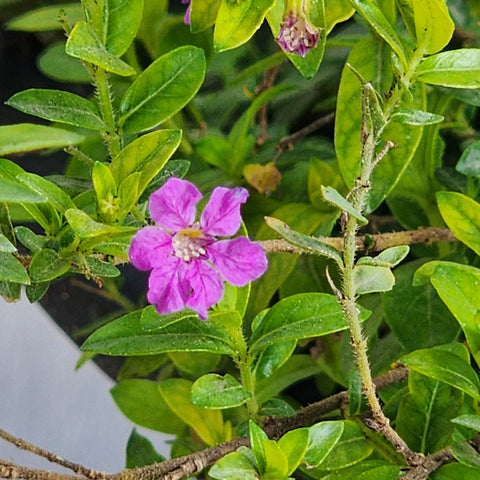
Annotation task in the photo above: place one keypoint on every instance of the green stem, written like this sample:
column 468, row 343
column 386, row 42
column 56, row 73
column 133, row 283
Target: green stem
column 112, row 136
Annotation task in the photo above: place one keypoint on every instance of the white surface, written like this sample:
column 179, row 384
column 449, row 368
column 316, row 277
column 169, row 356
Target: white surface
column 46, row 402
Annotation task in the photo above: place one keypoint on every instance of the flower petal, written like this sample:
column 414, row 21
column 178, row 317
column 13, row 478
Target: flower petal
column 150, row 247
column 167, row 288
column 221, row 215
column 239, row 260
column 207, row 286
column 173, row 206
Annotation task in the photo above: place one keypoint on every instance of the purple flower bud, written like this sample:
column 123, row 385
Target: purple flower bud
column 186, row 18
column 297, row 35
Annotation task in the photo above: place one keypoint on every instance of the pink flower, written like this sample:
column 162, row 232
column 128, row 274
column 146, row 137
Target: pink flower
column 187, row 262
column 186, row 18
column 297, row 34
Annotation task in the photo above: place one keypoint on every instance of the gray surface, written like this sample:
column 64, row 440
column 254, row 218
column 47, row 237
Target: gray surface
column 45, row 401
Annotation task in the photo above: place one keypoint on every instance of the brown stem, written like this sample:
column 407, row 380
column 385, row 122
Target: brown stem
column 374, row 243
column 430, row 464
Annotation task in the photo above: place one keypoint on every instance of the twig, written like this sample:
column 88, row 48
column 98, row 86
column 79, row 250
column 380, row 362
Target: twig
column 286, row 143
column 430, row 464
column 51, row 457
column 11, row 470
column 374, row 243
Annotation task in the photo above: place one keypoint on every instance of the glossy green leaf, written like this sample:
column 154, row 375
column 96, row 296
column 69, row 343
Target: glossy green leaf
column 455, row 471
column 5, row 245
column 377, row 20
column 387, row 258
column 203, row 14
column 469, row 163
column 147, row 155
column 116, row 22
column 128, row 194
column 311, row 244
column 16, row 192
column 207, row 423
column 234, row 299
column 294, row 445
column 469, row 421
column 47, row 265
column 300, row 316
column 46, row 18
column 234, row 466
column 337, row 11
column 27, row 137
column 273, row 357
column 276, row 462
column 99, row 268
column 36, row 291
column 423, row 320
column 455, row 68
column 141, row 402
column 445, row 367
column 140, row 451
column 216, row 391
column 105, row 189
column 462, row 216
column 144, row 332
column 373, row 278
column 337, row 200
column 322, row 439
column 58, row 106
column 55, row 63
column 11, row 269
column 237, row 21
column 371, row 60
column 411, row 116
column 352, row 447
column 83, row 43
column 163, row 89
column 277, row 407
column 257, row 442
column 433, row 24
column 53, row 194
column 194, row 363
column 423, row 417
column 295, row 369
column 466, row 454
column 85, row 227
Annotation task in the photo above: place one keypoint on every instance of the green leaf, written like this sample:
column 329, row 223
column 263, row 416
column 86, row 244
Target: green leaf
column 375, row 17
column 410, row 116
column 15, row 192
column 322, row 439
column 445, row 367
column 194, row 363
column 372, row 278
column 469, row 163
column 466, row 454
column 388, row 258
column 203, row 14
column 311, row 244
column 276, row 462
column 144, row 332
column 53, row 194
column 455, row 68
column 237, row 22
column 36, row 291
column 429, row 321
column 83, row 43
column 469, row 421
column 10, row 291
column 234, row 466
column 257, row 441
column 163, row 89
column 47, row 265
column 141, row 402
column 300, row 316
column 99, row 268
column 58, row 106
column 27, row 137
column 207, row 423
column 115, row 22
column 273, row 357
column 294, row 445
column 277, row 407
column 11, row 270
column 140, row 452
column 5, row 245
column 455, row 471
column 433, row 24
column 462, row 216
column 46, row 18
column 85, row 227
column 146, row 155
column 216, row 391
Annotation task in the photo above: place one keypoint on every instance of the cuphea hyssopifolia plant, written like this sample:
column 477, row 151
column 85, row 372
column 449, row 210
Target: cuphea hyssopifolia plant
column 236, row 364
